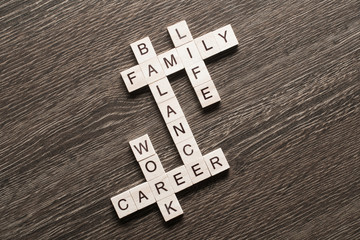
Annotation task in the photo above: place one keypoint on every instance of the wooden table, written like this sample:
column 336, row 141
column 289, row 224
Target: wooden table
column 288, row 122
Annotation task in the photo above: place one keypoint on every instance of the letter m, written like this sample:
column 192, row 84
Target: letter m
column 172, row 63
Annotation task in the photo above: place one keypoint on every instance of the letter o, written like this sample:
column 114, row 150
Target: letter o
column 150, row 169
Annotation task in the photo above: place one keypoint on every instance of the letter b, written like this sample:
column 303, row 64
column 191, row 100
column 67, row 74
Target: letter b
column 142, row 48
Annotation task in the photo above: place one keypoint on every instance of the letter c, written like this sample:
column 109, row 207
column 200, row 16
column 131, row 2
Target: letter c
column 184, row 150
column 126, row 207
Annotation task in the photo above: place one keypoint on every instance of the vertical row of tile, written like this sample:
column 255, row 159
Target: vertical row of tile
column 193, row 52
column 188, row 55
column 177, row 124
column 171, row 111
column 157, row 188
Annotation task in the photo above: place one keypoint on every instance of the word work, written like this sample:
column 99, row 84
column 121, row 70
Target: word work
column 152, row 70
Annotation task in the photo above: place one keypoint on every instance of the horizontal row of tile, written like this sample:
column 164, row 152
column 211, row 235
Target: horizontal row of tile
column 189, row 55
column 161, row 186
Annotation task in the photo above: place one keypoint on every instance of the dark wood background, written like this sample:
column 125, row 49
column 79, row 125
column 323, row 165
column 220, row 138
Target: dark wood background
column 288, row 122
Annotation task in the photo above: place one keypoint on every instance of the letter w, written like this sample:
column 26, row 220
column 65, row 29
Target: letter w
column 141, row 147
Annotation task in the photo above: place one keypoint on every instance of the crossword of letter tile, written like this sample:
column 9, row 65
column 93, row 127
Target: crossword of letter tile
column 152, row 70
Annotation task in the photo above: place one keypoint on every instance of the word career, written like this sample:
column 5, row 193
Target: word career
column 152, row 69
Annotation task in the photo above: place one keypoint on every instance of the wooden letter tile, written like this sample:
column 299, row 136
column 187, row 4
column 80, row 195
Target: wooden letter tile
column 216, row 161
column 142, row 195
column 143, row 50
column 225, row 38
column 142, row 147
column 123, row 204
column 171, row 110
column 207, row 94
column 207, row 45
column 170, row 207
column 161, row 90
column 189, row 53
column 170, row 62
column 133, row 78
column 179, row 179
column 152, row 167
column 179, row 130
column 161, row 187
column 188, row 150
column 180, row 33
column 198, row 171
column 152, row 70
column 198, row 73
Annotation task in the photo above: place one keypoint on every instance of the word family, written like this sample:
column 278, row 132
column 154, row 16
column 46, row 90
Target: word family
column 152, row 69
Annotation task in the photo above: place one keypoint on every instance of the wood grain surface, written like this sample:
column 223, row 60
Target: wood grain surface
column 288, row 122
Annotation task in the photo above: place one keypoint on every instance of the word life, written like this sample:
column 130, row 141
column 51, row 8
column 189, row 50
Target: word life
column 152, row 70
